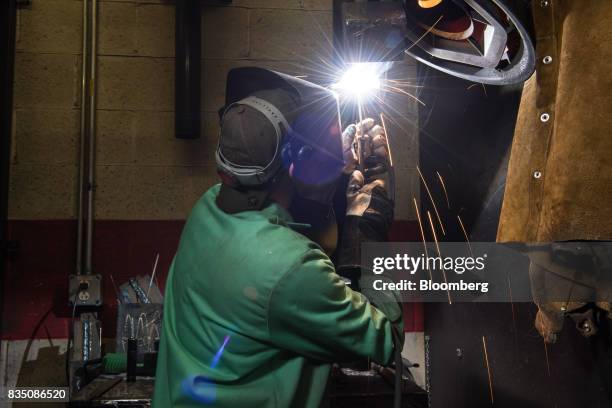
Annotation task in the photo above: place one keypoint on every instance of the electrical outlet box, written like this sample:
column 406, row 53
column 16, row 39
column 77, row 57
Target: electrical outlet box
column 86, row 290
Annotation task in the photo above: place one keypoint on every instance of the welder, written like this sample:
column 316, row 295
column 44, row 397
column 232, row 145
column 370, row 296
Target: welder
column 255, row 311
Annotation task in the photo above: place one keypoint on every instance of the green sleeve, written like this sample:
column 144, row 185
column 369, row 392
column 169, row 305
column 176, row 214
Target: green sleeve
column 314, row 313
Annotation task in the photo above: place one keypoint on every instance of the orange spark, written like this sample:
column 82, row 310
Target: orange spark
column 433, row 231
column 466, row 235
column 416, row 208
column 431, row 199
column 484, row 346
column 444, row 189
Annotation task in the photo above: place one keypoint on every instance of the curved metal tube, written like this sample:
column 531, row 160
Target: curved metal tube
column 519, row 70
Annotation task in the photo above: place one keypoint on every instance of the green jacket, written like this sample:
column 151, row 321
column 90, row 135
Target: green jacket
column 273, row 298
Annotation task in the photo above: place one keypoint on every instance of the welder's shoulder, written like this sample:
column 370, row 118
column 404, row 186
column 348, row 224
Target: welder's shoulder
column 284, row 242
column 302, row 255
column 288, row 250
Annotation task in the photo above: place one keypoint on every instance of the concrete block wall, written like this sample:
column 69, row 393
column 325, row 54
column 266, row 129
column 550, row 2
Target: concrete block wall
column 136, row 149
column 146, row 179
column 46, row 111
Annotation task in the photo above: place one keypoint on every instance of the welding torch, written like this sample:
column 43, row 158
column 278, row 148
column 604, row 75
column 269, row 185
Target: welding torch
column 371, row 165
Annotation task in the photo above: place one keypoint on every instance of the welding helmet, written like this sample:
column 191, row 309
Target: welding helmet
column 273, row 125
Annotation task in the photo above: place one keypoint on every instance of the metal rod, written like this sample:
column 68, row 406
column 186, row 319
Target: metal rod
column 92, row 135
column 79, row 250
column 8, row 18
column 187, row 70
column 360, row 161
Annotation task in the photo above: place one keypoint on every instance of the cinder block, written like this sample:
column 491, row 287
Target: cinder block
column 114, row 195
column 215, row 75
column 52, row 26
column 166, row 192
column 136, row 83
column 42, row 191
column 225, row 32
column 210, row 138
column 198, row 180
column 46, row 136
column 136, row 29
column 115, row 138
column 159, row 191
column 150, row 192
column 323, row 5
column 47, row 81
column 294, row 35
column 213, row 82
column 147, row 138
column 155, row 144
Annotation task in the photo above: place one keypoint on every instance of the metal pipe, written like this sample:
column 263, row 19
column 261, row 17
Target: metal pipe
column 187, row 70
column 79, row 251
column 8, row 15
column 92, row 134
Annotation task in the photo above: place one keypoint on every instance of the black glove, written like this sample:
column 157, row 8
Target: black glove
column 368, row 218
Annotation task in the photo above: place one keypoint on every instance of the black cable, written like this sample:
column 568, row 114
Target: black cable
column 399, row 369
column 70, row 338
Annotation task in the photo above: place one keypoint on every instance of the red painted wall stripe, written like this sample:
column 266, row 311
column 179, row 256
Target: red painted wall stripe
column 36, row 286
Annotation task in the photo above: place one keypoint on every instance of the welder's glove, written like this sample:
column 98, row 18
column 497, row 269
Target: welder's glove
column 374, row 145
column 369, row 215
column 369, row 201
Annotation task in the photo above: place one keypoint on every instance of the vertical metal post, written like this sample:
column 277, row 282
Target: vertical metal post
column 187, row 69
column 92, row 135
column 7, row 54
column 84, row 85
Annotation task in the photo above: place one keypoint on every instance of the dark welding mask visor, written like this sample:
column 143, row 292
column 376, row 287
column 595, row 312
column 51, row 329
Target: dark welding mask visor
column 313, row 153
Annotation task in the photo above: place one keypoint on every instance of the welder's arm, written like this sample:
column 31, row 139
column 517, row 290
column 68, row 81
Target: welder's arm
column 313, row 312
column 369, row 216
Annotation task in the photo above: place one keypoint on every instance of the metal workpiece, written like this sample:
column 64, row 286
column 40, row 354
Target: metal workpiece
column 87, row 348
column 469, row 39
column 140, row 293
column 490, row 64
column 139, row 290
column 372, row 31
